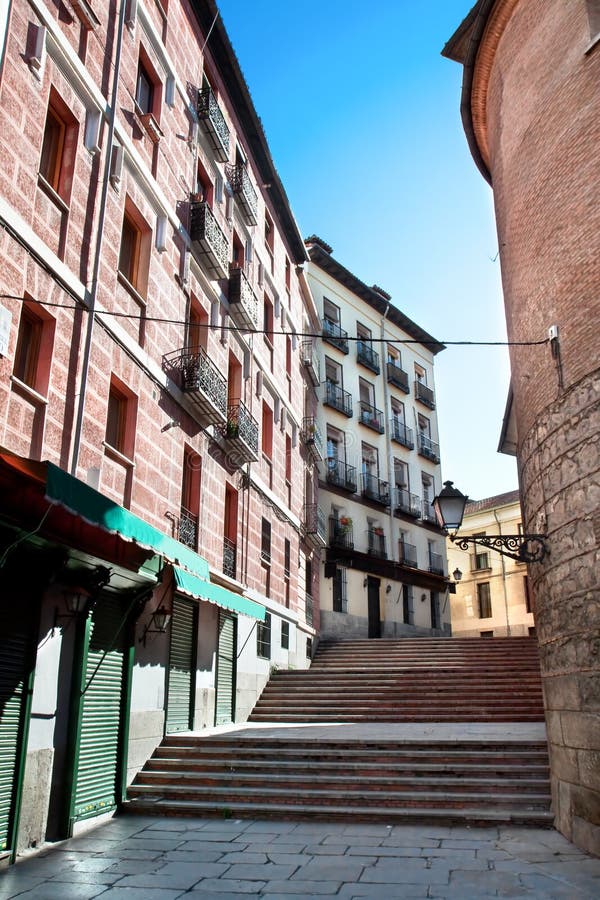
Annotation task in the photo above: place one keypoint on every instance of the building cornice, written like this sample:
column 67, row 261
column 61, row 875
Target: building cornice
column 474, row 44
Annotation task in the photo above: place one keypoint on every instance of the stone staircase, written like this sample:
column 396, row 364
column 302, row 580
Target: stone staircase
column 419, row 680
column 402, row 772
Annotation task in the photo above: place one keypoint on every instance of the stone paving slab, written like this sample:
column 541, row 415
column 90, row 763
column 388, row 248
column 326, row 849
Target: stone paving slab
column 137, row 858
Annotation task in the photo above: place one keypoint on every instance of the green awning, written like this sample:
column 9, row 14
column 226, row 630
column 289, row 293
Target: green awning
column 214, row 593
column 98, row 510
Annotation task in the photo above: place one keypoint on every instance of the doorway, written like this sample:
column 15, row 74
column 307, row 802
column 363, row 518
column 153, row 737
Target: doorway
column 373, row 585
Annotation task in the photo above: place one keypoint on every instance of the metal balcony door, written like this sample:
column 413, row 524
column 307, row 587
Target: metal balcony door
column 181, row 688
column 17, row 660
column 102, row 710
column 226, row 669
column 373, row 602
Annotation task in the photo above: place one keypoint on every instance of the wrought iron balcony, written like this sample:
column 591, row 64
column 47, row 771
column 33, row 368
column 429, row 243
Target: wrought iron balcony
column 315, row 529
column 239, row 181
column 311, row 437
column 436, row 563
column 188, row 528
column 480, row 562
column 309, row 615
column 428, row 512
column 338, row 398
column 240, row 434
column 229, row 557
column 407, row 503
column 424, row 394
column 428, row 448
column 371, row 416
column 367, row 356
column 333, row 334
column 376, row 543
column 407, row 554
column 213, row 120
column 401, row 433
column 243, row 302
column 375, row 489
column 340, row 474
column 341, row 534
column 201, row 381
column 310, row 359
column 398, row 377
column 208, row 241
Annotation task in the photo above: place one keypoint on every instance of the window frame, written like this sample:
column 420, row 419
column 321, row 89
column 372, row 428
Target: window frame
column 124, row 446
column 32, row 361
column 484, row 599
column 263, row 637
column 136, row 276
column 57, row 174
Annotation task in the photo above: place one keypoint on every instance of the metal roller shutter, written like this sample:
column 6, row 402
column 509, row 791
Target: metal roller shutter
column 101, row 714
column 226, row 658
column 182, row 665
column 14, row 676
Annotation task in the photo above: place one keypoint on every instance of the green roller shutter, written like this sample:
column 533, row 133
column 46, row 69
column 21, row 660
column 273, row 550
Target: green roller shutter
column 182, row 666
column 226, row 658
column 15, row 689
column 102, row 710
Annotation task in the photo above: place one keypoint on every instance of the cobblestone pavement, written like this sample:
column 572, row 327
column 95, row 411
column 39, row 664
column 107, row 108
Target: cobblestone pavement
column 140, row 858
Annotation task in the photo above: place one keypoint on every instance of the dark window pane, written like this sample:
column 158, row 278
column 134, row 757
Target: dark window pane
column 52, row 148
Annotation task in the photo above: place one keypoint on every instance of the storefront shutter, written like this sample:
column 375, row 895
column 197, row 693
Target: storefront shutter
column 181, row 686
column 102, row 708
column 14, row 654
column 226, row 655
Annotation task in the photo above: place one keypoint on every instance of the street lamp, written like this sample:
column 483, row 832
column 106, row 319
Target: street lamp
column 449, row 506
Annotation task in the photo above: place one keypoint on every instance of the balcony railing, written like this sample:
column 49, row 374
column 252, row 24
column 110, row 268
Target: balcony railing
column 340, row 474
column 201, row 381
column 310, row 360
column 239, row 181
column 424, row 394
column 367, row 356
column 371, row 416
column 341, row 534
column 480, row 562
column 240, row 434
column 428, row 448
column 311, row 437
column 309, row 609
column 401, row 433
column 229, row 557
column 188, row 528
column 376, row 543
column 436, row 563
column 243, row 302
column 208, row 241
column 407, row 503
column 333, row 334
column 214, row 123
column 428, row 512
column 338, row 398
column 375, row 489
column 407, row 554
column 315, row 527
column 398, row 377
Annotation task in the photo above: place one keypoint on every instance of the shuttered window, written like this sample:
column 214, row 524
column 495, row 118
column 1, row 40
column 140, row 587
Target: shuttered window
column 182, row 666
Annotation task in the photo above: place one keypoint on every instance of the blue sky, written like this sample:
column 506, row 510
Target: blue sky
column 362, row 117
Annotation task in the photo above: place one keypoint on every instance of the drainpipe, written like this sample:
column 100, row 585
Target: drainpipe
column 93, row 293
column 508, row 632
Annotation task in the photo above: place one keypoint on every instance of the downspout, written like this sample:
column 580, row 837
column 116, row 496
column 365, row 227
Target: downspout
column 508, row 632
column 93, row 293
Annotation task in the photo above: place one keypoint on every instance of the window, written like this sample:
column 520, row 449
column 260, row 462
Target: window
column 120, row 419
column 144, row 90
column 527, row 592
column 484, row 600
column 285, row 635
column 263, row 638
column 288, row 275
column 33, row 354
column 267, row 431
column 309, row 646
column 407, row 604
column 268, row 320
column 340, row 590
column 265, row 543
column 593, row 11
column 286, row 557
column 134, row 252
column 331, row 312
column 59, row 144
column 205, row 190
column 270, row 238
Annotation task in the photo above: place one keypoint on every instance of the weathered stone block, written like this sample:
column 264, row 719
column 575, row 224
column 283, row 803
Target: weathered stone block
column 586, row 803
column 565, row 763
column 586, row 835
column 554, row 727
column 561, row 692
column 589, row 768
column 581, row 730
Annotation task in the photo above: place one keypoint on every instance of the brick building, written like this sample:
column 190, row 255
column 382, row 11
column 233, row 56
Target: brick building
column 152, row 394
column 531, row 111
column 492, row 596
column 385, row 568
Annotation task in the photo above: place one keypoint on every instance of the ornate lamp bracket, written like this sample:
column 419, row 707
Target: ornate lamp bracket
column 527, row 548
